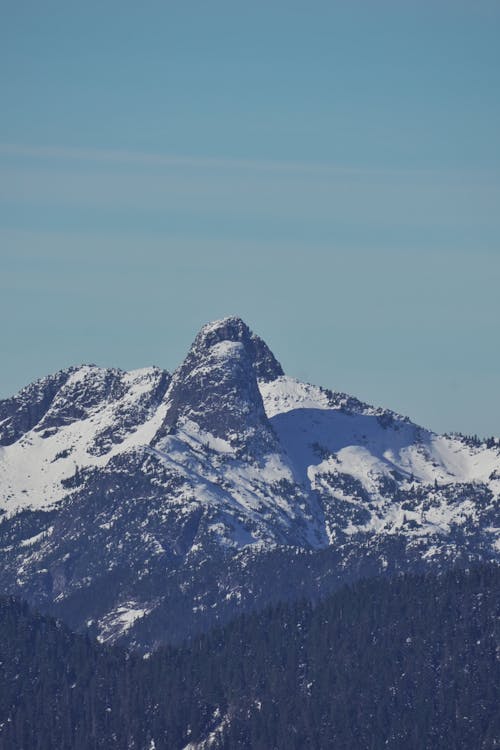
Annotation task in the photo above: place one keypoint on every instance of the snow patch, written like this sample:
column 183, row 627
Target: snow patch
column 121, row 619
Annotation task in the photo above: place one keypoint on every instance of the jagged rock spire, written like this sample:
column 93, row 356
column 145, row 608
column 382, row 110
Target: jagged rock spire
column 216, row 385
column 265, row 364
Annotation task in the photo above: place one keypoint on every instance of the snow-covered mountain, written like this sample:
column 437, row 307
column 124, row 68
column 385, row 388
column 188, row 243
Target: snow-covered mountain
column 145, row 506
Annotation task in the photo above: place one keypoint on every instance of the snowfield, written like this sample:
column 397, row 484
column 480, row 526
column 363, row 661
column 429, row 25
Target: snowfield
column 142, row 476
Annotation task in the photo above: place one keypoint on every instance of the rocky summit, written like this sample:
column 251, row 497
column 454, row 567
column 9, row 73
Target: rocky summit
column 145, row 507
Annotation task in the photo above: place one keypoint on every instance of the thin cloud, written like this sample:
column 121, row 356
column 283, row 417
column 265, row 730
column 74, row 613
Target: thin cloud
column 142, row 158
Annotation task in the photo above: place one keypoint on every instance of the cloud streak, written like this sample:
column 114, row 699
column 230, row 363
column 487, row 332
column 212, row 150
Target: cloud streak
column 148, row 159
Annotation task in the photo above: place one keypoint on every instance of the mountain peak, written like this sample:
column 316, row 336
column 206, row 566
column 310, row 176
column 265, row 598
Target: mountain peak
column 216, row 385
column 234, row 329
column 230, row 328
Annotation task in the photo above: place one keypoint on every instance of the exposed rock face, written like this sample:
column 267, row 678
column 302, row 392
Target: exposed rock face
column 216, row 386
column 24, row 411
column 145, row 507
column 264, row 363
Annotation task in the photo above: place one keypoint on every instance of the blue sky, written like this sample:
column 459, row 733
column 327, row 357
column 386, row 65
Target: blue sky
column 328, row 171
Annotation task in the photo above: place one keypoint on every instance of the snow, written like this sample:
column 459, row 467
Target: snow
column 324, row 441
column 193, row 435
column 225, row 349
column 285, row 394
column 213, row 738
column 303, row 418
column 324, row 469
column 32, row 469
column 227, row 482
column 80, row 375
column 216, row 325
column 121, row 619
column 258, row 498
column 38, row 537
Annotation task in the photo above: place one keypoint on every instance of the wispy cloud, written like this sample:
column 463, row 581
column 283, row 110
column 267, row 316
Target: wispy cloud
column 56, row 186
column 143, row 158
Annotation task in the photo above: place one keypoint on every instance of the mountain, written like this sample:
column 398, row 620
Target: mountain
column 144, row 506
column 396, row 662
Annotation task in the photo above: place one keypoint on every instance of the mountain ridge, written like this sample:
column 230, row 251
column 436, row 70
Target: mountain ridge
column 126, row 495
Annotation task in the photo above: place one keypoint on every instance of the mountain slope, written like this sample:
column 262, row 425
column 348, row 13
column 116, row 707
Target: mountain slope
column 145, row 507
column 406, row 662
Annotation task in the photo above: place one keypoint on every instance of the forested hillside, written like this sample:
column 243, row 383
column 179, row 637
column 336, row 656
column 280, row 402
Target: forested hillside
column 409, row 662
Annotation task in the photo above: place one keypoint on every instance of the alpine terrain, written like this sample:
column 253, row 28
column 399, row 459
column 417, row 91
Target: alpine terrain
column 145, row 507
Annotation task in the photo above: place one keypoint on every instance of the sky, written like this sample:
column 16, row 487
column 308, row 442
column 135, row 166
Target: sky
column 329, row 171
